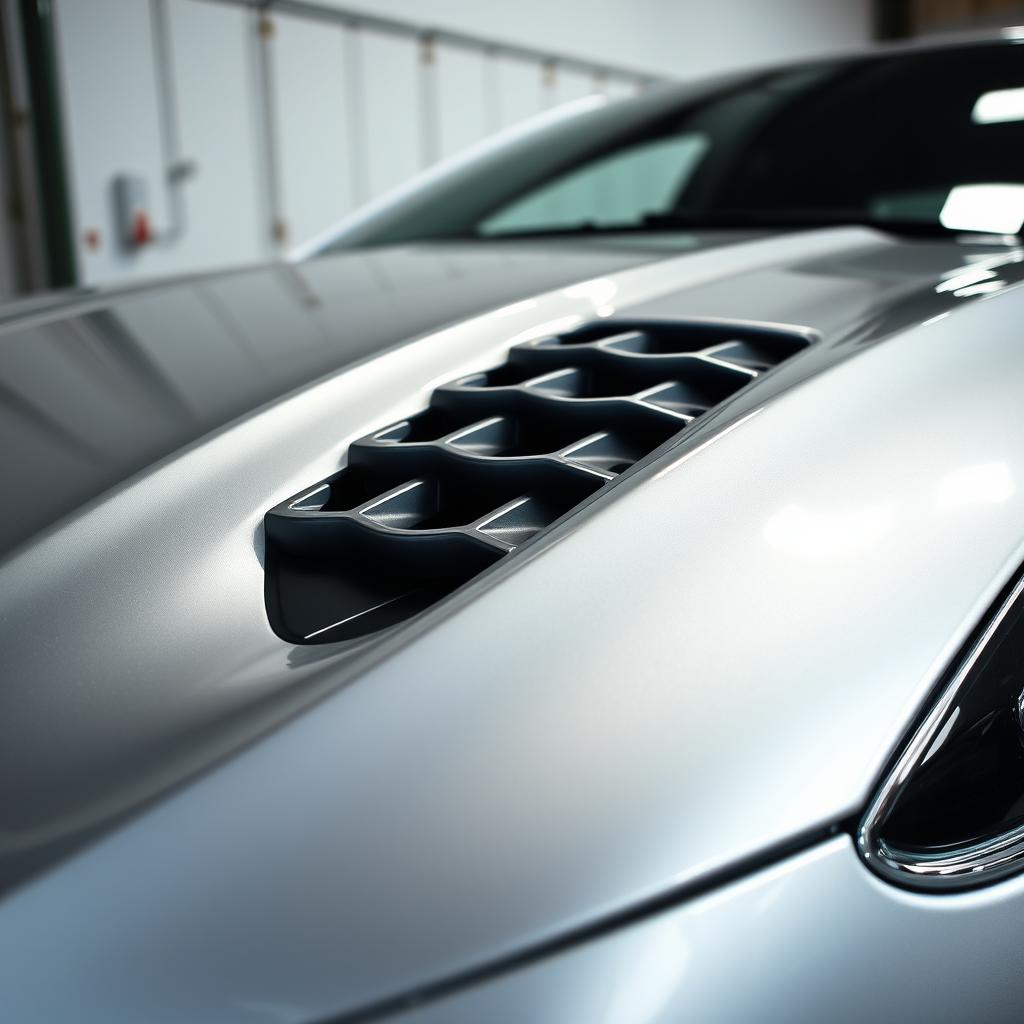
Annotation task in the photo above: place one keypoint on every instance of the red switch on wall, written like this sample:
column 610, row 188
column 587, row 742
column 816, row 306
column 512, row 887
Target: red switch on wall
column 142, row 230
column 134, row 227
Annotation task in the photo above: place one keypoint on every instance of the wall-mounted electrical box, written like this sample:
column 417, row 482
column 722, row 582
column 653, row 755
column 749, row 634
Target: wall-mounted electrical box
column 131, row 211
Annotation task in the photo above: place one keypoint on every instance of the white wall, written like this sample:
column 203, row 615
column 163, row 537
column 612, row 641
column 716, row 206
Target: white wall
column 317, row 123
column 674, row 38
column 351, row 114
column 112, row 124
column 292, row 128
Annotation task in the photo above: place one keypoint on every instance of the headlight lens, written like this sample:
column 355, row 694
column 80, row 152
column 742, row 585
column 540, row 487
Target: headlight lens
column 951, row 812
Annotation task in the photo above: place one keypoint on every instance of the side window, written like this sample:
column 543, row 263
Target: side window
column 619, row 190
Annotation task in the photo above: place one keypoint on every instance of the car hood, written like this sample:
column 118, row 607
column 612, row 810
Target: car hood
column 713, row 666
column 100, row 385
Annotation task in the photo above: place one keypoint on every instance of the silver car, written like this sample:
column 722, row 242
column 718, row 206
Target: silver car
column 582, row 587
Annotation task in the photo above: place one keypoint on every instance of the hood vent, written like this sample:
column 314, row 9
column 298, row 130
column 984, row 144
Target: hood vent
column 426, row 504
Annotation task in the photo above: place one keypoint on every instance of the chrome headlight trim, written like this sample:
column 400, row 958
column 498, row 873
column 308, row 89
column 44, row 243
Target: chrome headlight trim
column 958, row 866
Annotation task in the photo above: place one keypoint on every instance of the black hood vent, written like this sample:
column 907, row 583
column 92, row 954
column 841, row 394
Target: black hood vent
column 428, row 503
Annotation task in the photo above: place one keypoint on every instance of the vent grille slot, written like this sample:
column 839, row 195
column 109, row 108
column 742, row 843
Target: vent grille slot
column 426, row 504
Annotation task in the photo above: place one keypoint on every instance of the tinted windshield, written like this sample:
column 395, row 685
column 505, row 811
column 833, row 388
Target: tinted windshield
column 926, row 140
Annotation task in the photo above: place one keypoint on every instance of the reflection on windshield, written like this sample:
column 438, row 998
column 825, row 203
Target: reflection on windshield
column 998, row 209
column 930, row 138
column 999, row 106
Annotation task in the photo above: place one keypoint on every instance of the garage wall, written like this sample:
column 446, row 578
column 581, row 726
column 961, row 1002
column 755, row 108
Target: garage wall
column 111, row 118
column 290, row 121
column 671, row 38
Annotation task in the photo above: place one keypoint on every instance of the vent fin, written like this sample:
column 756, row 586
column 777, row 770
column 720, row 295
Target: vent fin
column 426, row 504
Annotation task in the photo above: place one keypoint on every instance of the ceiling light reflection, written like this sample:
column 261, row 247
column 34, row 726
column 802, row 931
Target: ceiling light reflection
column 970, row 276
column 984, row 288
column 827, row 536
column 559, row 325
column 600, row 291
column 995, row 209
column 515, row 307
column 642, row 993
column 988, row 483
column 999, row 106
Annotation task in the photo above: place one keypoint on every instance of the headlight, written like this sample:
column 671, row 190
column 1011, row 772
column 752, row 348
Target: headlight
column 951, row 811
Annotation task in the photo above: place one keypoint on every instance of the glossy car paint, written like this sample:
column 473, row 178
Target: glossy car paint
column 178, row 664
column 98, row 386
column 514, row 771
column 813, row 938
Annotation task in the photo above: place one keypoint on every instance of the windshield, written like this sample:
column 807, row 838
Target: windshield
column 929, row 140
